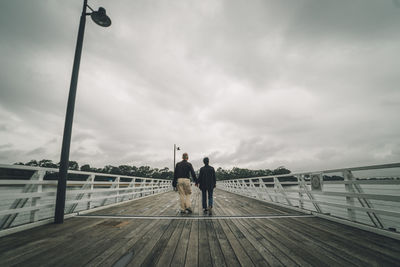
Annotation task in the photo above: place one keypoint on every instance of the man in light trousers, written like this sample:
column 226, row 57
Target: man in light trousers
column 181, row 181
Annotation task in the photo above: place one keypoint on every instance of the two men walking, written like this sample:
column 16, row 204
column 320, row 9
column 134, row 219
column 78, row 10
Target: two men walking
column 206, row 183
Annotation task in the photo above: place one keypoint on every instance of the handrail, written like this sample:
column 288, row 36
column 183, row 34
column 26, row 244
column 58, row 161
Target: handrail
column 29, row 200
column 356, row 201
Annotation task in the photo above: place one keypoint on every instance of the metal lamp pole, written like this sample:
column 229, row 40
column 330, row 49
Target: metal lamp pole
column 175, row 149
column 101, row 19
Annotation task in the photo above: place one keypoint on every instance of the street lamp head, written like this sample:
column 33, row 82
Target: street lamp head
column 178, row 148
column 100, row 17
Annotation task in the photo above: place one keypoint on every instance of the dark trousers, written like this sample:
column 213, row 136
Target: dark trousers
column 210, row 197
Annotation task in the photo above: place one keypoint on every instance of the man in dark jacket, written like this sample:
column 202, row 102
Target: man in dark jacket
column 183, row 170
column 207, row 183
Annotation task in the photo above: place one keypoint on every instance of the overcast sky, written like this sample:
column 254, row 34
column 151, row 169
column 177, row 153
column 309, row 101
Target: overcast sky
column 308, row 85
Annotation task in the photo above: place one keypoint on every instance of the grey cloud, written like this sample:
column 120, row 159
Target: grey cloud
column 36, row 151
column 302, row 84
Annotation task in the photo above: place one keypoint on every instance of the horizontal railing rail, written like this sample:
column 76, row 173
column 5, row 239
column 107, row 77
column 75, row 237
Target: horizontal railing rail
column 27, row 194
column 367, row 197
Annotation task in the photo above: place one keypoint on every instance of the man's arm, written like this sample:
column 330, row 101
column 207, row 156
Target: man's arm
column 214, row 179
column 201, row 176
column 193, row 174
column 175, row 178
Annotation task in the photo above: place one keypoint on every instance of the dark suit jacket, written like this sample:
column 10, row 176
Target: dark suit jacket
column 183, row 169
column 207, row 178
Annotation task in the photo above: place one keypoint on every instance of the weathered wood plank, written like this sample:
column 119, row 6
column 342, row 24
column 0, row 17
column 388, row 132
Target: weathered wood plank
column 170, row 248
column 155, row 253
column 145, row 244
column 204, row 246
column 240, row 252
column 179, row 255
column 192, row 253
column 217, row 257
column 123, row 246
column 261, row 236
column 226, row 248
column 264, row 252
column 355, row 248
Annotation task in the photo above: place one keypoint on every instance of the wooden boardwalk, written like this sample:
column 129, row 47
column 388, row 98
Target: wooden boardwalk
column 232, row 237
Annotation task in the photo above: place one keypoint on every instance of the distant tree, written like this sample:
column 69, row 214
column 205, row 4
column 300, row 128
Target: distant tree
column 165, row 173
column 32, row 163
column 86, row 168
column 280, row 170
column 111, row 169
column 18, row 163
column 144, row 171
column 125, row 169
column 47, row 163
column 73, row 165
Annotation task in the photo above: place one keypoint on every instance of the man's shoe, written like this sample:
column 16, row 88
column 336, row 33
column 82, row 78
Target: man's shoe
column 182, row 211
column 189, row 210
column 205, row 211
column 210, row 210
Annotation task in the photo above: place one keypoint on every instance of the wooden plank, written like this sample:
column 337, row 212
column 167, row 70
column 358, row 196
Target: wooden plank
column 226, row 248
column 356, row 246
column 217, row 257
column 99, row 248
column 82, row 249
column 240, row 252
column 254, row 255
column 179, row 256
column 255, row 242
column 192, row 253
column 67, row 244
column 384, row 244
column 170, row 248
column 300, row 248
column 275, row 240
column 155, row 253
column 145, row 244
column 204, row 247
column 260, row 236
column 39, row 247
column 125, row 245
column 19, row 239
column 329, row 254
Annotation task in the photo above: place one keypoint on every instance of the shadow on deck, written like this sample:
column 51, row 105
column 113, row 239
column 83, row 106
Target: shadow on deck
column 242, row 232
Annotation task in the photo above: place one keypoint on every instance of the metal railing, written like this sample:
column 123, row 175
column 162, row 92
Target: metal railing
column 366, row 197
column 27, row 194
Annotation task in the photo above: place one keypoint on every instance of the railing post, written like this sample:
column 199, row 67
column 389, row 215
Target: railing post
column 282, row 191
column 36, row 200
column 349, row 200
column 301, row 201
column 91, row 181
column 262, row 184
column 309, row 193
column 118, row 179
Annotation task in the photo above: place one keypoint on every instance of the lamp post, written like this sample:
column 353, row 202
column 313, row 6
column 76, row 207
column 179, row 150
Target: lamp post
column 175, row 149
column 100, row 18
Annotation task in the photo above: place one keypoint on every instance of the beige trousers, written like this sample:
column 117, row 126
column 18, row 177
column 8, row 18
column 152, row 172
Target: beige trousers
column 185, row 190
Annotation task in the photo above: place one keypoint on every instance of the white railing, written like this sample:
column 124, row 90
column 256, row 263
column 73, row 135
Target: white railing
column 366, row 197
column 27, row 194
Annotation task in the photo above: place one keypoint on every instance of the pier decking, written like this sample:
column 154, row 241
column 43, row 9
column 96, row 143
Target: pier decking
column 242, row 232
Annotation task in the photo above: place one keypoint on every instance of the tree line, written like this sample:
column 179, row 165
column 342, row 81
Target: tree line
column 163, row 173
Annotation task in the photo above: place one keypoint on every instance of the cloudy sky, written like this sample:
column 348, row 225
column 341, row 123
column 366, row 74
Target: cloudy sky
column 305, row 84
